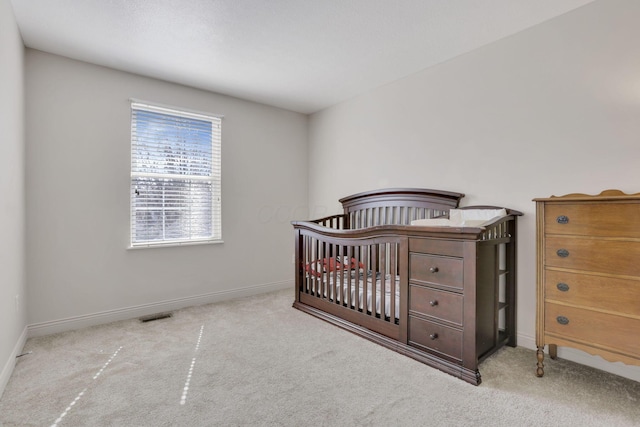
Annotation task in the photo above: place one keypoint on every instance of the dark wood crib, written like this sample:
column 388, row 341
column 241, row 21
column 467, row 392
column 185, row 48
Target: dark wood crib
column 443, row 295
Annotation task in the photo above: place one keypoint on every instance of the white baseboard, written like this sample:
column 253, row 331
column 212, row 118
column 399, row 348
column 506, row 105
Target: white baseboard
column 77, row 322
column 526, row 341
column 7, row 370
column 579, row 356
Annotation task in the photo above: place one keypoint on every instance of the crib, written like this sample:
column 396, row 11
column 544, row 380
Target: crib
column 397, row 269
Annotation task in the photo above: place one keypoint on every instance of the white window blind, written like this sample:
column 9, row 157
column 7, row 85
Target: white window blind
column 175, row 176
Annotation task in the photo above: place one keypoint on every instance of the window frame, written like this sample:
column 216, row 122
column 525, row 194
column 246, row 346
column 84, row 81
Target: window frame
column 215, row 177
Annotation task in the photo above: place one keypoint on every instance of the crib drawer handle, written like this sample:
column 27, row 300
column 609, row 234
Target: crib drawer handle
column 433, row 303
column 433, row 269
column 563, row 219
column 562, row 320
column 433, row 336
column 562, row 253
column 562, row 287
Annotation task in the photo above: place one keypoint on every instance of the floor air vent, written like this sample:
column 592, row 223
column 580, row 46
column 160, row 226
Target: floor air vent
column 156, row 316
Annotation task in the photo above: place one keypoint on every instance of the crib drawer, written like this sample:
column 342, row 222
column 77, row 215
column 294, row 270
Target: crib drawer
column 434, row 303
column 435, row 337
column 436, row 246
column 439, row 270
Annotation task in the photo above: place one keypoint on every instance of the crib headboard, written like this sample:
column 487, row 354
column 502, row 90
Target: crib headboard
column 397, row 206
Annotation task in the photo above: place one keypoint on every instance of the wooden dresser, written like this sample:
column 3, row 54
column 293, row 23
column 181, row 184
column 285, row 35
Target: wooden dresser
column 588, row 275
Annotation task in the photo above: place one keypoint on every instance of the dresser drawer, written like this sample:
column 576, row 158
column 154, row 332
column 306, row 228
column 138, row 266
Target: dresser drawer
column 597, row 255
column 435, row 337
column 593, row 219
column 437, row 270
column 601, row 292
column 434, row 303
column 593, row 328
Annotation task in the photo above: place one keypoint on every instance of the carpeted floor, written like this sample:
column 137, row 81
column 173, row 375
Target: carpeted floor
column 257, row 361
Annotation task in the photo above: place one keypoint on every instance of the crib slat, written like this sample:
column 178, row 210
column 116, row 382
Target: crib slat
column 338, row 284
column 305, row 263
column 331, row 276
column 307, row 254
column 312, row 266
column 393, row 270
column 374, row 272
column 316, row 243
column 356, row 256
column 323, row 276
column 347, row 269
column 383, row 279
column 365, row 282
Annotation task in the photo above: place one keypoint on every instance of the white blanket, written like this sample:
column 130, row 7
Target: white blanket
column 328, row 291
column 463, row 218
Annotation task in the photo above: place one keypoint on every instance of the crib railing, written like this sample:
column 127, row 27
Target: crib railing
column 338, row 222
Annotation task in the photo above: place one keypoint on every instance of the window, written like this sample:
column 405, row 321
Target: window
column 175, row 176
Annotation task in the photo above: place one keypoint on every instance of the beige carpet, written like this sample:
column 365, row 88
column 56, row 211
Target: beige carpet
column 256, row 361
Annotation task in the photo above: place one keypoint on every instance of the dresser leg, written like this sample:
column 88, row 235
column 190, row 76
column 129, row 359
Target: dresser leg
column 540, row 365
column 553, row 351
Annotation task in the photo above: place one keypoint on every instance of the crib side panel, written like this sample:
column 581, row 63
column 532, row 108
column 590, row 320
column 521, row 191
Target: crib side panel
column 357, row 279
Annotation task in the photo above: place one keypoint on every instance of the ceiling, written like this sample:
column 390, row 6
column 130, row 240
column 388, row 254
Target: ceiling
column 301, row 55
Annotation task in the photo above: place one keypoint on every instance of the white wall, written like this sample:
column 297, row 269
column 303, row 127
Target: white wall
column 549, row 111
column 78, row 158
column 12, row 316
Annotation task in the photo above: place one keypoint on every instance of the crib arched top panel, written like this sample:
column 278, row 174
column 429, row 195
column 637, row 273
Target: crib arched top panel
column 402, row 197
column 397, row 206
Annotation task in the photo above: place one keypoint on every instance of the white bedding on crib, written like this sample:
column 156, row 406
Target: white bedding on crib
column 463, row 218
column 328, row 291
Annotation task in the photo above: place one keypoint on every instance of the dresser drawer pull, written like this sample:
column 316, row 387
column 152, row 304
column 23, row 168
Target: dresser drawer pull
column 562, row 320
column 433, row 269
column 562, row 287
column 562, row 219
column 433, row 336
column 562, row 253
column 433, row 303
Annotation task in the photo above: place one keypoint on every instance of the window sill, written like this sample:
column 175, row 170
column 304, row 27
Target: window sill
column 174, row 244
